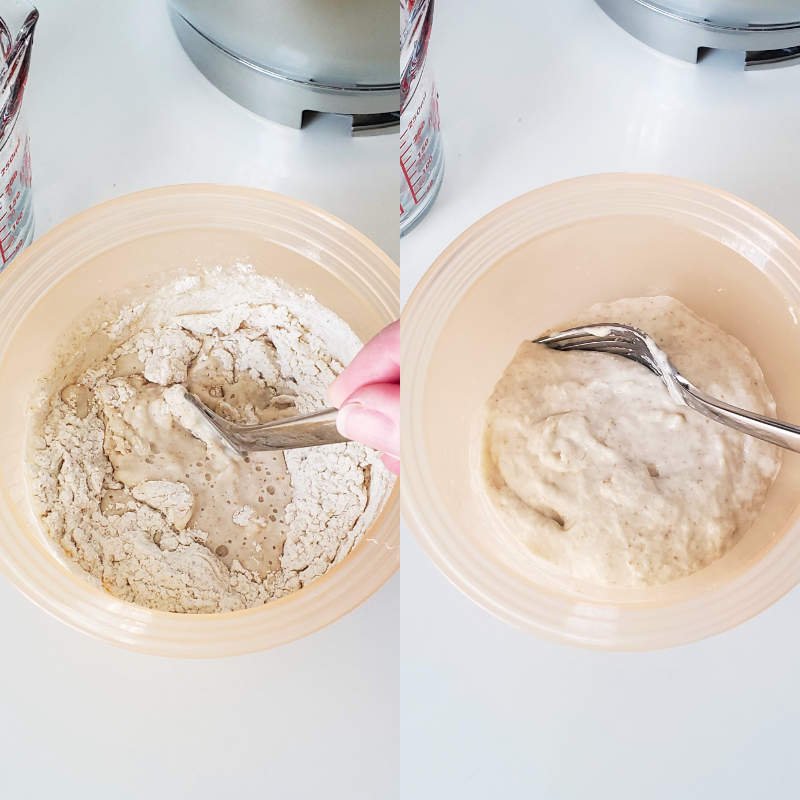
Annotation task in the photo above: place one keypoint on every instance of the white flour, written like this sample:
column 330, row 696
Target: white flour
column 147, row 501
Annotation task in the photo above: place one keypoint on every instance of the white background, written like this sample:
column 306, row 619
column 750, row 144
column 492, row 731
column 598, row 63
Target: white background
column 534, row 92
column 113, row 106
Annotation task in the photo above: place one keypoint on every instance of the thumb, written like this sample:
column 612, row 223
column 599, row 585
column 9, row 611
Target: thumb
column 371, row 415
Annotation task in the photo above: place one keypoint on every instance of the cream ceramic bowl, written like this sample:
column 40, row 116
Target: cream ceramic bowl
column 531, row 264
column 123, row 244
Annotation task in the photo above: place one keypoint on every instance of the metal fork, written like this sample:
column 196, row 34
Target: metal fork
column 308, row 430
column 636, row 345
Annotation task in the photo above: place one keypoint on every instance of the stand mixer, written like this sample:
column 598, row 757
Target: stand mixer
column 766, row 31
column 285, row 58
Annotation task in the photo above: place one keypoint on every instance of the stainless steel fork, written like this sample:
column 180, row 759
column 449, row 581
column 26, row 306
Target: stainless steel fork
column 636, row 345
column 308, row 430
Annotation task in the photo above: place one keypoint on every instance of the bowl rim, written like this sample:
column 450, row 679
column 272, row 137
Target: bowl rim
column 95, row 612
column 584, row 623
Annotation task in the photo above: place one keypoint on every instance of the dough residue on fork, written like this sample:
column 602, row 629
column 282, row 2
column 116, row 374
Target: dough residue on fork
column 147, row 500
column 596, row 469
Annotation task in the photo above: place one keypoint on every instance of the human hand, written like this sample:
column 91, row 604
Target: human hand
column 367, row 394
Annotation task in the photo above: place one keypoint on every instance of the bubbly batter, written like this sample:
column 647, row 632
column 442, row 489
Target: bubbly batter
column 139, row 492
column 596, row 469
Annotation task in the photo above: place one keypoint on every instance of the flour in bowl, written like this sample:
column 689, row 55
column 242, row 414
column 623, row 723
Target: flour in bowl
column 596, row 469
column 147, row 500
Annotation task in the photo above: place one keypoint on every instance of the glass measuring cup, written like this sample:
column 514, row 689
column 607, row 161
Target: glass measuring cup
column 421, row 154
column 16, row 208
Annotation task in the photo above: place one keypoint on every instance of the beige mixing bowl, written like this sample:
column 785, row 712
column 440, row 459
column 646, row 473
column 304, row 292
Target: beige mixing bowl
column 532, row 264
column 123, row 244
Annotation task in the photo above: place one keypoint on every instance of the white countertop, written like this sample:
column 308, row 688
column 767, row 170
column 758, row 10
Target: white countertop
column 532, row 93
column 114, row 105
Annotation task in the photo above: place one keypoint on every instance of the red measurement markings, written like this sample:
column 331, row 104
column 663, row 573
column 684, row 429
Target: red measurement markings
column 10, row 159
column 11, row 220
column 415, row 160
column 412, row 120
column 408, row 169
column 13, row 176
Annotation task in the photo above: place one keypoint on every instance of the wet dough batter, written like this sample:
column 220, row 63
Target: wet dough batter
column 592, row 465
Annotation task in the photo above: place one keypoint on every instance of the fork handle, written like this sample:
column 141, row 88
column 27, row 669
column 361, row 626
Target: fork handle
column 309, row 430
column 770, row 430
